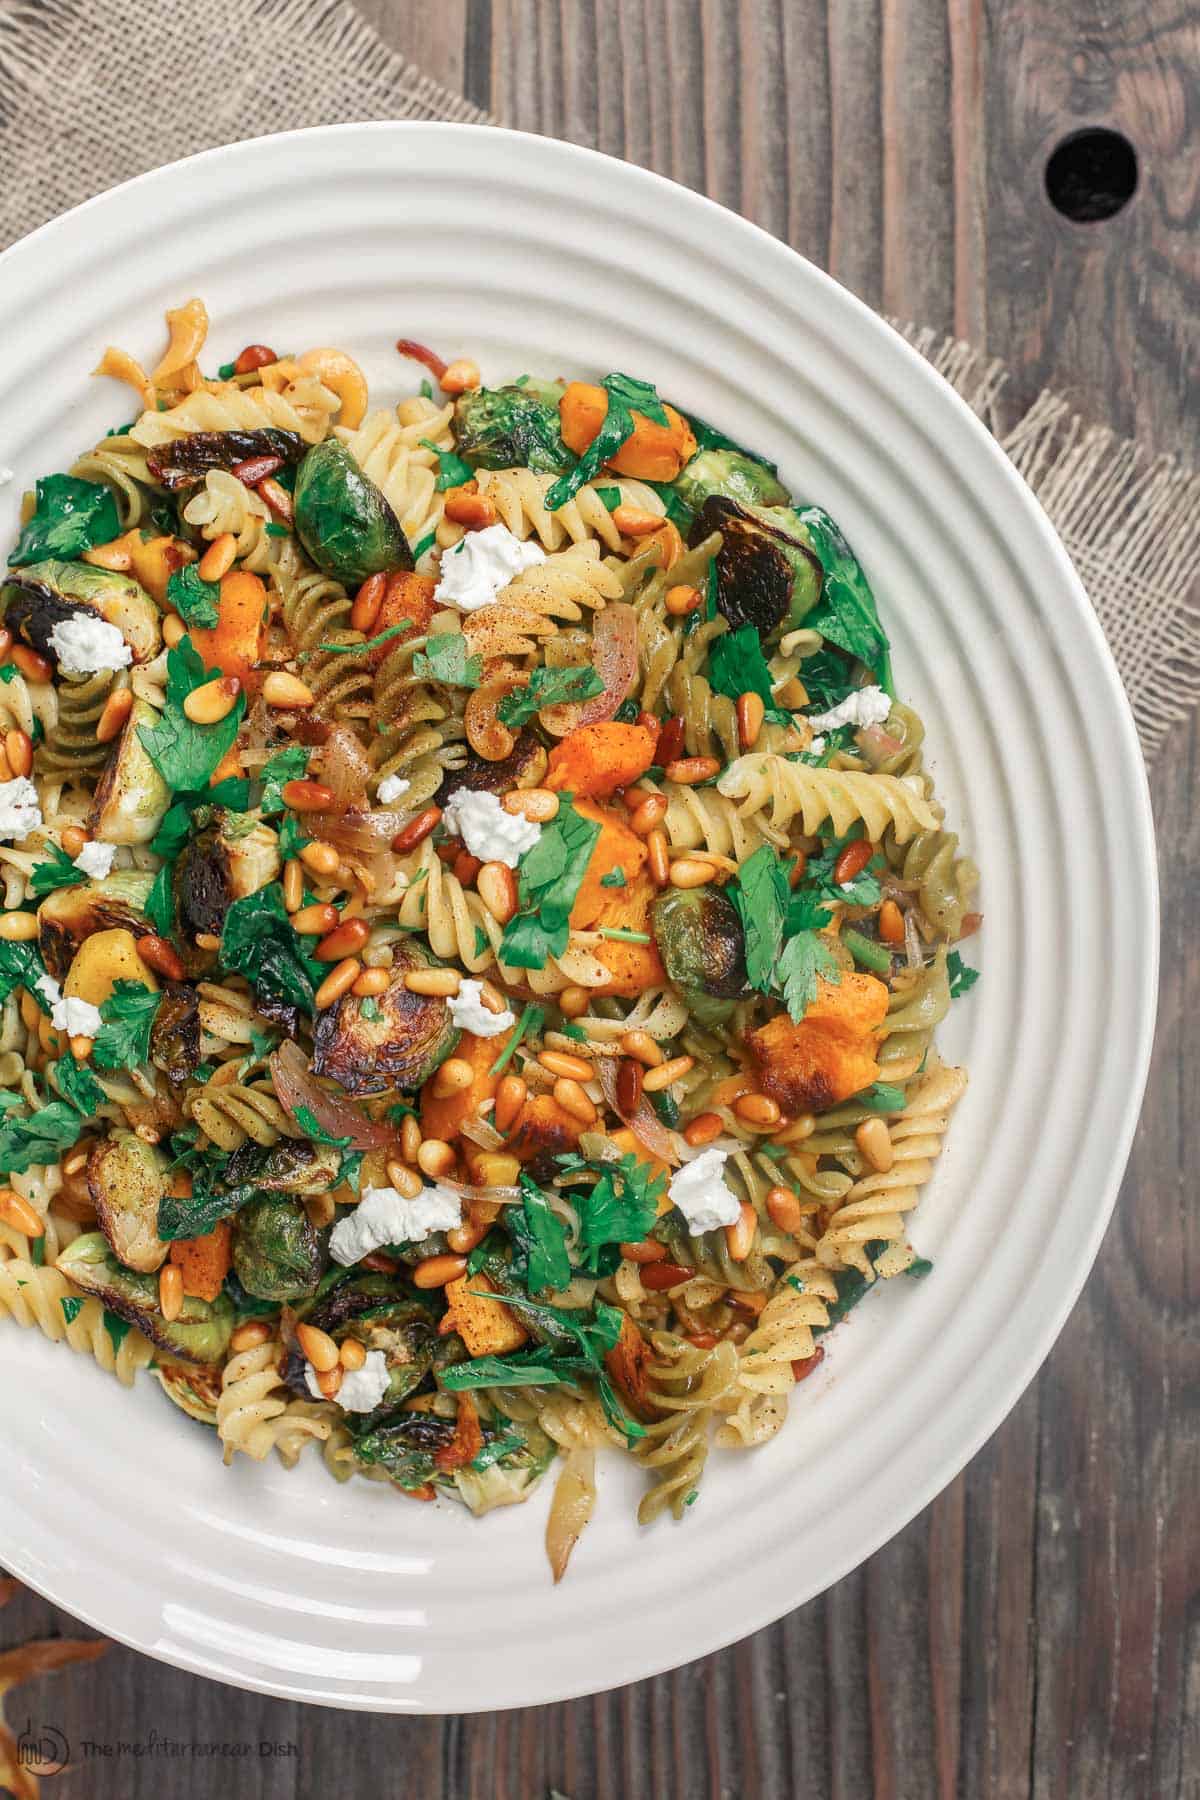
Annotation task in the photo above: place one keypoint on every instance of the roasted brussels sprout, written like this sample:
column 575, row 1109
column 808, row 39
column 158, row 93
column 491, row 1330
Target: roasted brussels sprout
column 700, row 940
column 524, row 767
column 194, row 1391
column 343, row 520
column 175, row 1034
column 43, row 595
column 199, row 1335
column 398, row 1043
column 69, row 914
column 182, row 461
column 512, row 1477
column 513, row 427
column 292, row 1167
column 219, row 865
column 766, row 572
column 131, row 797
column 276, row 1250
column 406, row 1447
column 367, row 1307
column 733, row 474
column 126, row 1180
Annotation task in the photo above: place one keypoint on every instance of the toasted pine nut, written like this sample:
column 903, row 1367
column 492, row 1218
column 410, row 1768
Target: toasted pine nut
column 170, row 1291
column 441, row 982
column 31, row 1012
column 491, row 998
column 539, row 804
column 158, row 954
column 18, row 927
column 573, row 1002
column 650, row 813
column 497, row 886
column 31, row 665
column 902, row 1068
column 648, row 1251
column 410, row 1138
column 575, row 1068
column 218, row 559
column 463, row 1238
column 750, row 714
column 453, row 1077
column 891, row 923
column 702, row 1129
column 74, row 837
column 367, row 603
column 460, row 376
column 282, row 689
column 692, row 872
column 214, row 701
column 665, row 543
column 740, row 1235
column 642, row 1047
column 315, row 920
column 435, row 1157
column 115, row 555
column 667, row 1072
column 371, row 983
column 629, row 1085
column 338, row 982
column 691, row 769
column 207, row 940
column 496, row 1168
column 277, row 498
column 796, row 1130
column 117, row 709
column 406, row 1181
column 660, row 1276
column 250, row 1336
column 16, row 1211
column 635, row 521
column 474, row 512
column 351, row 1353
column 510, row 1098
column 330, row 1381
column 293, row 884
column 18, row 747
column 757, row 1109
column 254, row 356
column 853, row 860
column 658, row 860
column 345, row 939
column 416, row 830
column 306, row 796
column 681, row 600
column 81, row 1047
column 173, row 629
column 571, row 1097
column 318, row 1347
column 254, row 469
column 321, row 858
column 785, row 1209
column 436, row 1271
column 875, row 1145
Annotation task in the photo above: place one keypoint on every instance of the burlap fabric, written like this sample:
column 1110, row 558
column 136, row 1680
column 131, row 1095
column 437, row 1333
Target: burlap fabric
column 95, row 91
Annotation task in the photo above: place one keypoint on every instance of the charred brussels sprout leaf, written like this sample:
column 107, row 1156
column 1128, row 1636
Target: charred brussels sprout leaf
column 219, row 866
column 185, row 460
column 402, row 1326
column 399, row 1042
column 406, row 1447
column 175, row 1034
column 46, row 594
column 290, row 1168
column 342, row 518
column 131, row 798
column 70, row 516
column 276, row 1251
column 69, row 915
column 766, row 572
column 199, row 1335
column 700, row 940
column 525, row 766
column 732, row 474
column 513, row 428
column 194, row 1391
column 506, row 1470
column 126, row 1181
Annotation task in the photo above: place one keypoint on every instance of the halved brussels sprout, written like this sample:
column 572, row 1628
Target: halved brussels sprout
column 733, row 474
column 199, row 1335
column 513, row 428
column 702, row 945
column 343, row 520
column 43, row 595
column 292, row 1167
column 175, row 1033
column 126, row 1180
column 766, row 571
column 217, row 866
column 512, row 1477
column 182, row 461
column 131, row 797
column 69, row 914
column 276, row 1250
column 194, row 1391
column 367, row 1307
column 398, row 1043
column 406, row 1446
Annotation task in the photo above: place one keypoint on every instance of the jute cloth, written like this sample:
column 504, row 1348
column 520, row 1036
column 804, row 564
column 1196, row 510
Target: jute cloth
column 95, row 91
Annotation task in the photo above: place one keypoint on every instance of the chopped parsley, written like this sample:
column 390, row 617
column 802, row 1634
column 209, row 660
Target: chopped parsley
column 962, row 977
column 260, row 942
column 548, row 687
column 123, row 1041
column 445, row 659
column 58, row 871
column 40, row 1138
column 69, row 516
column 550, row 876
column 452, row 470
column 194, row 599
column 184, row 753
column 626, row 395
column 286, row 765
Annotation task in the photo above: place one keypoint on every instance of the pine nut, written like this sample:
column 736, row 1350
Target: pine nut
column 410, row 1138
column 5, row 643
column 454, row 1077
column 642, row 1047
column 497, row 885
column 18, row 927
column 207, row 940
column 209, row 704
column 691, row 769
column 853, row 860
column 875, row 1145
column 330, row 1381
column 345, row 939
column 575, row 1068
column 785, row 1209
column 740, row 1235
column 18, row 747
column 629, row 1085
column 117, row 709
column 351, row 1353
column 173, row 629
column 571, row 1097
column 80, row 1047
column 538, row 804
column 315, row 920
column 436, row 1271
column 474, row 512
column 31, row 1012
column 702, row 1129
column 250, row 1336
column 321, row 858
column 435, row 1158
column 170, row 1291
column 441, row 982
column 460, row 376
column 371, row 983
column 635, row 521
column 318, row 1347
column 750, row 714
column 218, row 559
column 464, row 1237
column 692, row 872
column 900, row 1069
column 573, row 1002
column 658, row 860
column 282, row 689
column 293, row 885
column 16, row 1211
column 491, row 998
column 337, row 983
column 681, row 600
column 666, row 544
column 74, row 837
column 494, row 1169
column 306, row 796
column 368, row 603
column 796, row 1130
column 650, row 813
column 417, row 830
column 511, row 1096
column 757, row 1109
column 406, row 1181
column 648, row 1251
column 658, row 1277
column 31, row 665
column 254, row 356
column 891, row 923
column 671, row 740
column 667, row 1072
column 115, row 555
column 277, row 498
column 158, row 954
column 255, row 469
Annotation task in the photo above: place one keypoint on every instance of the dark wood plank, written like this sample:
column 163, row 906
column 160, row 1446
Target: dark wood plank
column 1033, row 1634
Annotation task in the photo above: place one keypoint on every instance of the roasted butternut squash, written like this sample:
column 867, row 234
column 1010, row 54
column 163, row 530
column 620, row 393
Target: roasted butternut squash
column 443, row 1115
column 205, row 1261
column 830, row 1054
column 593, row 761
column 652, row 453
column 408, row 600
column 626, row 1363
column 235, row 643
column 486, row 1327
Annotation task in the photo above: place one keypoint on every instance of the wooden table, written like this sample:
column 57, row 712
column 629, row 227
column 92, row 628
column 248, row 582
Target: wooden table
column 1034, row 1632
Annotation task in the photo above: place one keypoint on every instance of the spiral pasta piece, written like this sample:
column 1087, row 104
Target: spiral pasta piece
column 303, row 406
column 519, row 496
column 684, row 1385
column 32, row 1296
column 69, row 747
column 255, row 1413
column 315, row 610
column 794, row 791
column 225, row 504
column 232, row 1113
column 389, row 449
column 120, row 463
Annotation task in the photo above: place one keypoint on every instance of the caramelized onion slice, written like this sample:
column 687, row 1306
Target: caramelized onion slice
column 644, row 1122
column 615, row 660
column 297, row 1086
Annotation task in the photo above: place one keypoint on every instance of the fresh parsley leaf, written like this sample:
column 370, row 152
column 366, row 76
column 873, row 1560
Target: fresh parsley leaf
column 497, row 1449
column 761, row 894
column 678, row 511
column 286, row 765
column 308, row 1122
column 192, row 812
column 828, row 678
column 76, row 1083
column 614, row 879
column 123, row 1041
column 550, row 876
column 424, row 544
column 548, row 687
column 196, row 1214
column 72, row 1306
column 160, row 902
column 626, row 395
column 40, row 1138
column 549, row 1265
column 226, row 371
column 882, row 1096
column 118, row 1329
column 58, row 871
column 260, row 943
column 70, row 516
column 962, row 978
column 184, row 753
column 445, row 659
column 8, row 672
column 736, row 665
column 609, row 497
column 452, row 470
column 806, row 955
column 291, row 838
column 528, row 1025
column 621, row 1207
column 846, row 614
column 194, row 599
column 22, row 966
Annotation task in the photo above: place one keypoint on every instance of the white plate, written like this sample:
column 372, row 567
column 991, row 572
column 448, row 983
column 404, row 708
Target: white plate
column 528, row 254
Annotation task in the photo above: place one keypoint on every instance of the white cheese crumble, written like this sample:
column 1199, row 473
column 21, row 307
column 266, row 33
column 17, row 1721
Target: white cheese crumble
column 78, row 1018
column 489, row 832
column 700, row 1193
column 391, row 788
column 470, row 1014
column 384, row 1216
column 96, row 860
column 817, row 746
column 20, row 811
column 49, row 989
column 865, row 706
column 479, row 565
column 361, row 1390
column 85, row 644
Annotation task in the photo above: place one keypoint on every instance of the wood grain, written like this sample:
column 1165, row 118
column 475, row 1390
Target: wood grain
column 1034, row 1635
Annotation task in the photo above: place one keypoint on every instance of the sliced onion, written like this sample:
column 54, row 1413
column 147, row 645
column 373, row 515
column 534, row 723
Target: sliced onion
column 358, row 833
column 342, row 764
column 645, row 1123
column 297, row 1086
column 878, row 743
column 615, row 660
column 571, row 1508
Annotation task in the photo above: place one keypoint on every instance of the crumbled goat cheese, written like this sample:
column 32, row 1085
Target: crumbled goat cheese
column 391, row 788
column 361, row 1390
column 489, row 832
column 78, row 1018
column 865, row 706
column 96, row 860
column 700, row 1193
column 817, row 746
column 480, row 564
column 384, row 1216
column 49, row 989
column 85, row 644
column 20, row 812
column 470, row 1014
